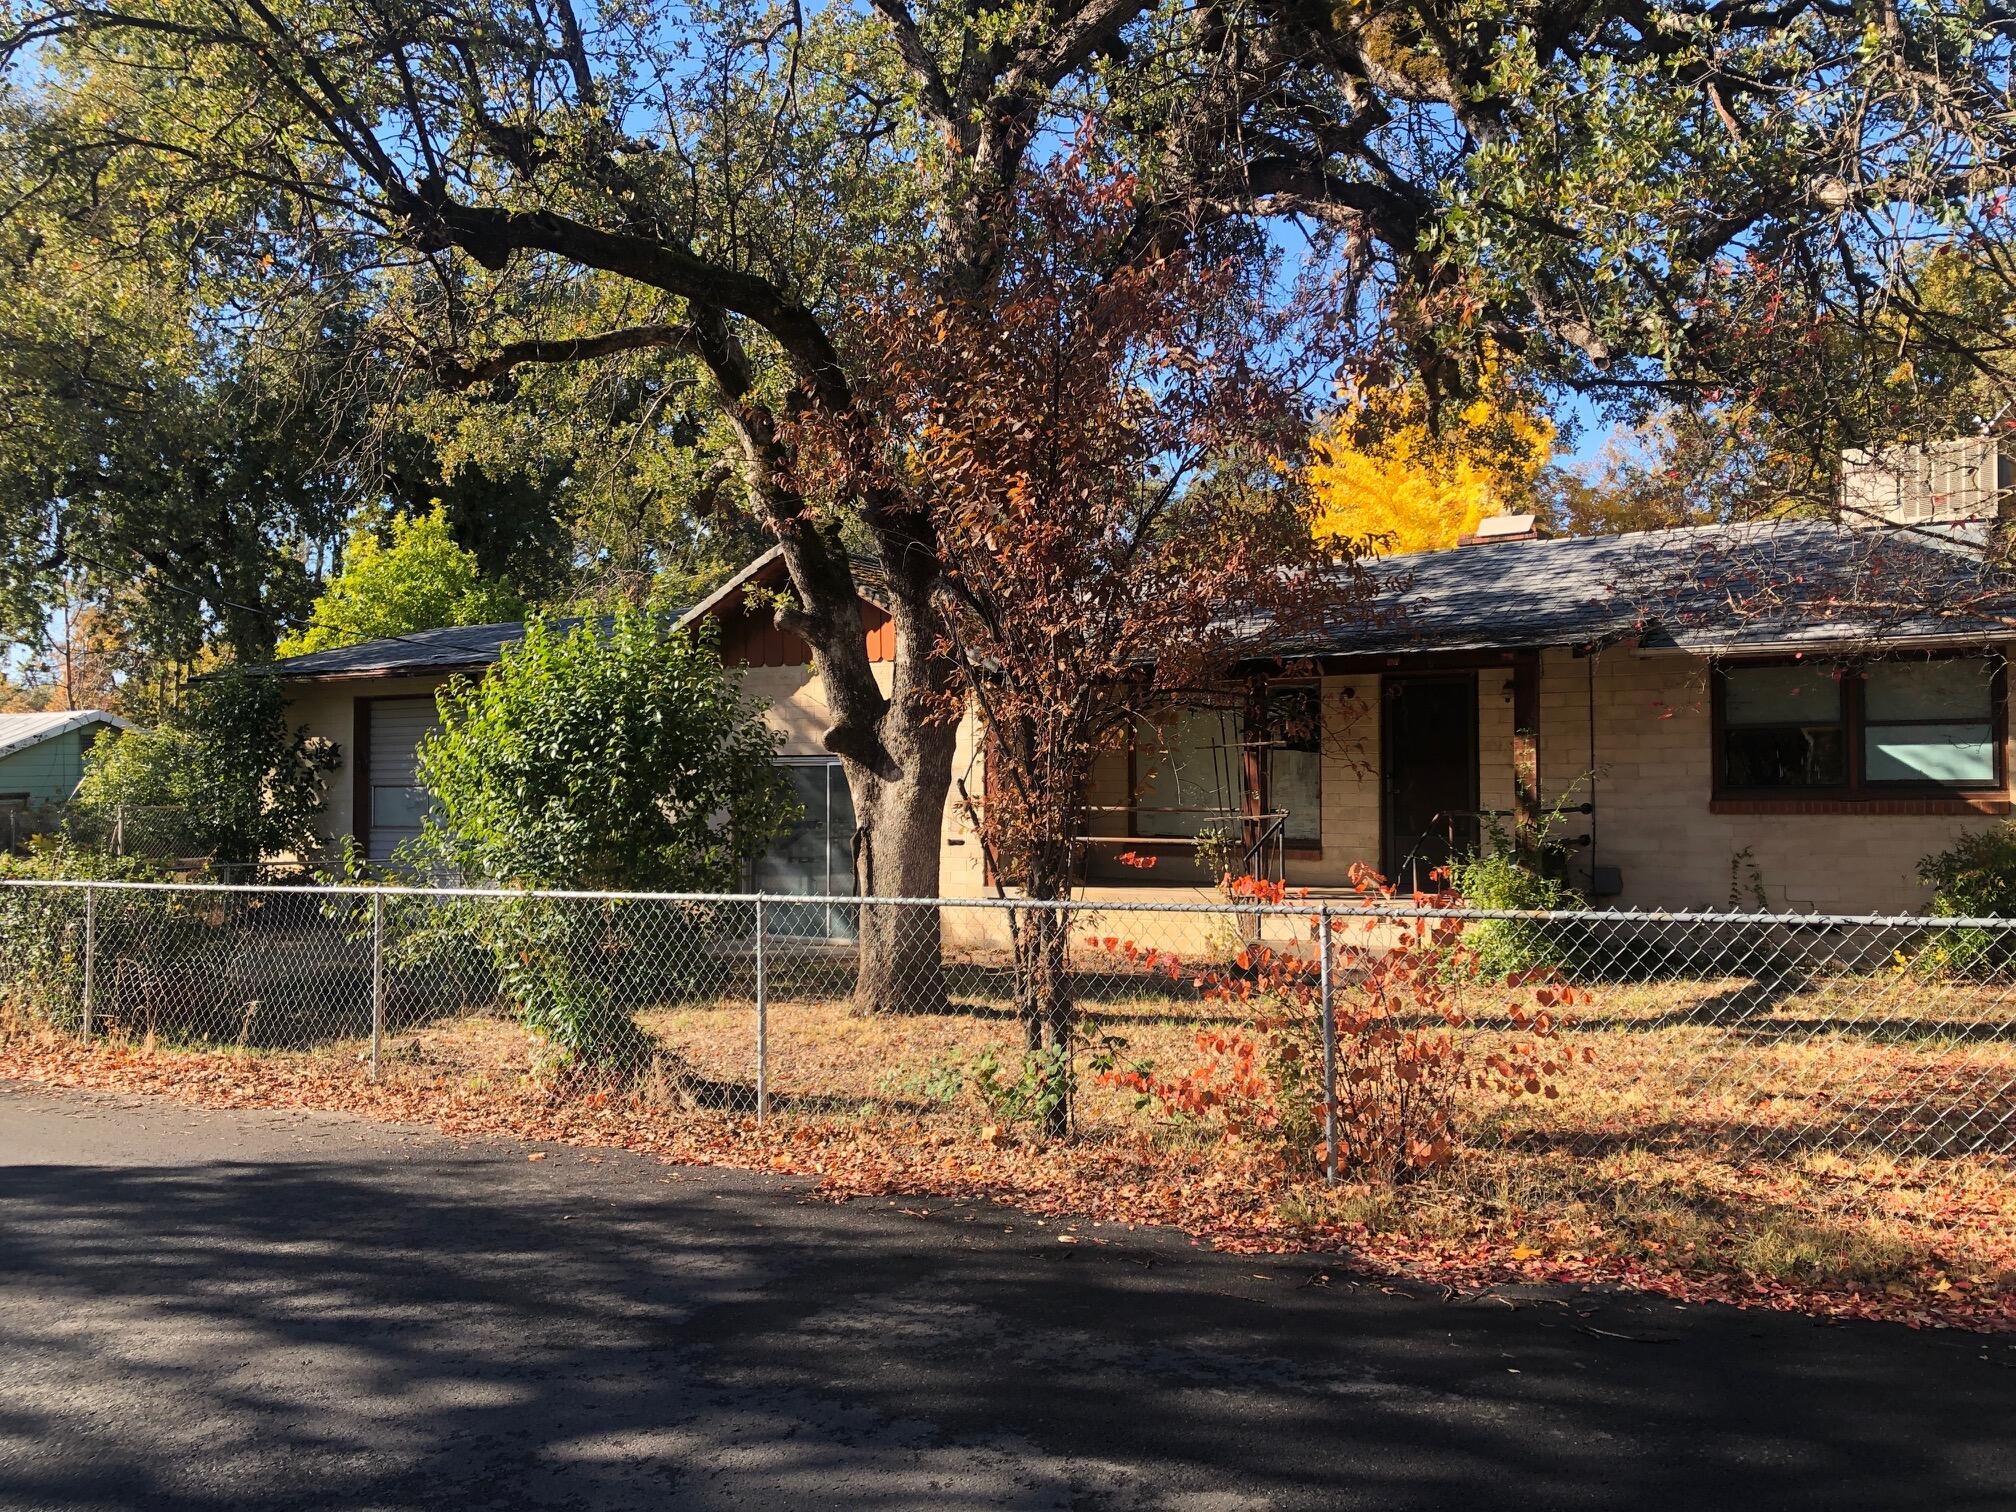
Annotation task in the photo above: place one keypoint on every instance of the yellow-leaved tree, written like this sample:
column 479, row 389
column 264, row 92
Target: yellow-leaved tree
column 1381, row 475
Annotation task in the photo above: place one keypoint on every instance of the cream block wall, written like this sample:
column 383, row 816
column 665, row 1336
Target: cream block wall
column 794, row 704
column 1650, row 777
column 1654, row 766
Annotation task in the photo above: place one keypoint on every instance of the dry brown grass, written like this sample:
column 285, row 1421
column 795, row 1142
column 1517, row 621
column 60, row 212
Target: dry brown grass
column 1720, row 1142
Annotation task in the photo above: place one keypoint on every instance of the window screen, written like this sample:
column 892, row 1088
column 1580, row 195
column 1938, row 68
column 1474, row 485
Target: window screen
column 1198, row 769
column 1191, row 782
column 1929, row 721
column 1295, row 762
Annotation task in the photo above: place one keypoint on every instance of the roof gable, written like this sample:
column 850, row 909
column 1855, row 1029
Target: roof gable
column 19, row 732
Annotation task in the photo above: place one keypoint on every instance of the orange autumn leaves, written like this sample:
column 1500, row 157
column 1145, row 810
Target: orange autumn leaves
column 1405, row 1049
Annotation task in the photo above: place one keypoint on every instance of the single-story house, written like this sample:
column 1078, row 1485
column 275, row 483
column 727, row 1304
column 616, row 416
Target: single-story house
column 1751, row 713
column 42, row 755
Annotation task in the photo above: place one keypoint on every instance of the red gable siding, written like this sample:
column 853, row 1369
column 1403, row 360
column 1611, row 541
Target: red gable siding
column 753, row 640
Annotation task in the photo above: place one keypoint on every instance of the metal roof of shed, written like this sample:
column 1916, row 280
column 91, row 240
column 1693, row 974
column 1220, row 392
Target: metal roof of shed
column 20, row 731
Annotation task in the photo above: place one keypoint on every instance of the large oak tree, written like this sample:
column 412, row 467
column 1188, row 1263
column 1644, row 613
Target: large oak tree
column 1620, row 194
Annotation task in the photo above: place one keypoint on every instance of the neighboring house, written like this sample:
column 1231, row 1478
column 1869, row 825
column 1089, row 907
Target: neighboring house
column 1746, row 711
column 42, row 755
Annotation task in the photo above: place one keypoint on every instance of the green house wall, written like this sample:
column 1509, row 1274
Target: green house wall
column 46, row 772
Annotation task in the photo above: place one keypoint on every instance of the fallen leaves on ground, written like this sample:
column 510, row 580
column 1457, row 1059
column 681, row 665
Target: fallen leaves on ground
column 1219, row 1195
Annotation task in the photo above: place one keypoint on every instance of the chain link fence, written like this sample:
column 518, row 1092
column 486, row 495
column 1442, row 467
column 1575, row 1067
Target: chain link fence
column 1752, row 1036
column 166, row 835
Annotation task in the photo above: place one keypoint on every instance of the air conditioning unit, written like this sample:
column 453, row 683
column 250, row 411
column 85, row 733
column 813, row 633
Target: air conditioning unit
column 1940, row 481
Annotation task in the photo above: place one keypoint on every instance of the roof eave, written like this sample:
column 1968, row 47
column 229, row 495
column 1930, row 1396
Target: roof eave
column 734, row 585
column 380, row 674
column 1860, row 642
column 86, row 718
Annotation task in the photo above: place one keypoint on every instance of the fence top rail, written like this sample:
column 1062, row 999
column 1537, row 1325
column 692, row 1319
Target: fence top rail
column 1310, row 908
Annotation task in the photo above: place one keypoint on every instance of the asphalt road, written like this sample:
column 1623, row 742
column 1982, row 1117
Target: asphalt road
column 255, row 1310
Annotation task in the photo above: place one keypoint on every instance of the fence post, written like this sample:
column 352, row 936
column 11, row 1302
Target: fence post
column 90, row 954
column 377, row 981
column 1329, row 1052
column 762, row 1022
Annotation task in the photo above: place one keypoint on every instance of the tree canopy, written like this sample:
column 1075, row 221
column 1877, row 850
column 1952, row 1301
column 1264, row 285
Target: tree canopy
column 416, row 579
column 1381, row 473
column 1651, row 203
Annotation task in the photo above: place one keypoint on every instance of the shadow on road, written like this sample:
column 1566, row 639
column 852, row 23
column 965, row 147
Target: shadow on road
column 201, row 1310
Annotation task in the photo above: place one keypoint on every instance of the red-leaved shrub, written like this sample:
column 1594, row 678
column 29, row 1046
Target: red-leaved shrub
column 1406, row 1049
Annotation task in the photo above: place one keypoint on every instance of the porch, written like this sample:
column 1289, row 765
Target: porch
column 1399, row 763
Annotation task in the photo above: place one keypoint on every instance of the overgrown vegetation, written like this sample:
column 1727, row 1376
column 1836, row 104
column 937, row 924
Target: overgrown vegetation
column 1519, row 867
column 615, row 755
column 1401, row 1063
column 245, row 783
column 1974, row 878
column 42, row 930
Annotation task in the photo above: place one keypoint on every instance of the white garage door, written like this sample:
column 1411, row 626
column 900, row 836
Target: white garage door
column 397, row 802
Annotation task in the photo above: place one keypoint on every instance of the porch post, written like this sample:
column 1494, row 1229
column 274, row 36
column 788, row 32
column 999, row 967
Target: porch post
column 1525, row 744
column 1252, row 789
column 1253, row 769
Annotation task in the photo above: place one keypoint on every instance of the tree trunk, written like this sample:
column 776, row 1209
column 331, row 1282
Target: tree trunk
column 895, row 746
column 1043, row 1000
column 899, row 826
column 1042, row 984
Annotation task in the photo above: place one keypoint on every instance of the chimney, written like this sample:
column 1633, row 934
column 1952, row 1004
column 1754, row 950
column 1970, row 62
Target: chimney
column 1501, row 528
column 1936, row 483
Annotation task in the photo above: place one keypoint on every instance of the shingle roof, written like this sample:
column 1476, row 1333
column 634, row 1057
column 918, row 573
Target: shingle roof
column 452, row 648
column 1707, row 588
column 1792, row 583
column 448, row 649
column 20, row 731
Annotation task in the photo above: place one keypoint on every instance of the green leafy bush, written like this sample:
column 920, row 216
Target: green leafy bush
column 1502, row 878
column 618, row 755
column 244, row 784
column 1974, row 878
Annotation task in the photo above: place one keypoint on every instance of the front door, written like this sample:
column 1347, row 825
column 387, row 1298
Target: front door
column 396, row 804
column 1428, row 777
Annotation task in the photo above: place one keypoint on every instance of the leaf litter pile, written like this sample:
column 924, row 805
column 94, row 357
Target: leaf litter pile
column 1831, row 1234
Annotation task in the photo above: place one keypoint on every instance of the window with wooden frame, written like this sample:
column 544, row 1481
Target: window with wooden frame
column 1188, row 776
column 1916, row 726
